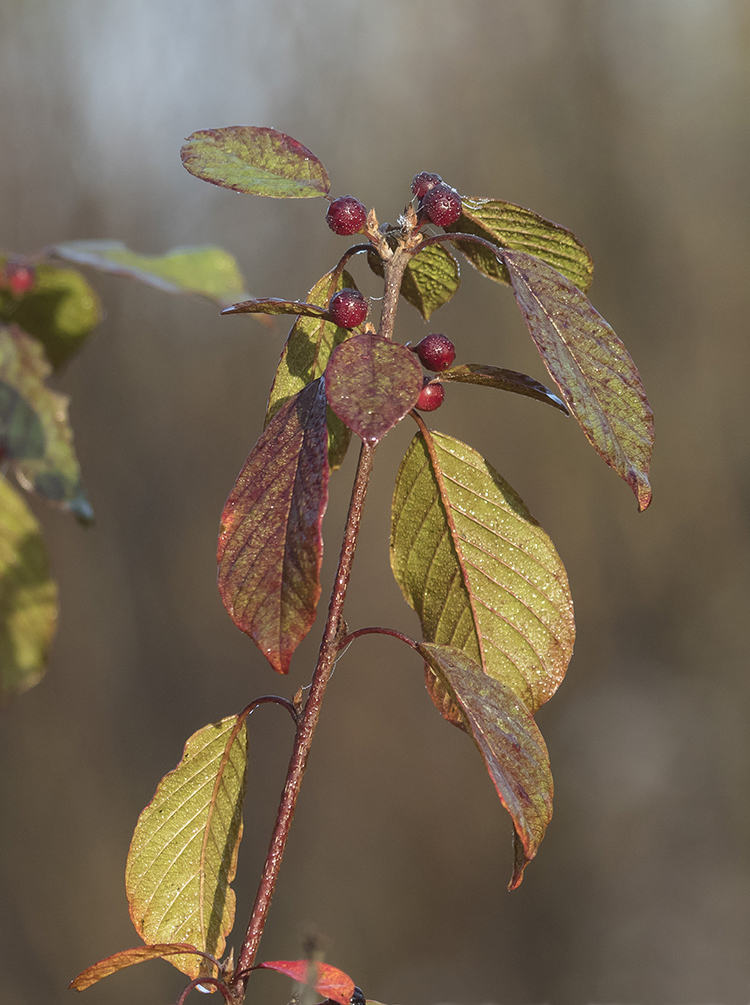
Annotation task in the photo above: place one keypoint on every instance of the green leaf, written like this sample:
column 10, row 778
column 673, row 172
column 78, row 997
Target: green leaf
column 271, row 545
column 478, row 569
column 305, row 357
column 183, row 855
column 505, row 380
column 518, row 229
column 60, row 310
column 205, row 271
column 128, row 958
column 371, row 383
column 28, row 596
column 595, row 373
column 506, row 736
column 256, row 161
column 430, row 280
column 34, row 432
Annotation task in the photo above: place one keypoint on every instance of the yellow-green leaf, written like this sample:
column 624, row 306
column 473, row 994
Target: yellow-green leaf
column 205, row 271
column 183, row 855
column 28, row 596
column 60, row 310
column 520, row 229
column 478, row 569
column 35, row 435
column 305, row 356
column 430, row 280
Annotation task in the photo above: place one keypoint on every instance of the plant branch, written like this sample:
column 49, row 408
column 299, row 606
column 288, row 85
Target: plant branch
column 394, row 272
column 376, row 631
column 308, row 721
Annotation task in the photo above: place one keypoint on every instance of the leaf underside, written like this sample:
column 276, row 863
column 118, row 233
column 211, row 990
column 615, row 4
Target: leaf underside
column 507, row 737
column 597, row 377
column 271, row 546
column 183, row 855
column 206, row 271
column 371, row 384
column 35, row 436
column 504, row 380
column 305, row 357
column 517, row 229
column 273, row 305
column 255, row 160
column 28, row 596
column 477, row 568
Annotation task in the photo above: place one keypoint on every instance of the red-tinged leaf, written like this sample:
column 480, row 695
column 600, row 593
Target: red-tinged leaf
column 305, row 357
column 596, row 375
column 505, row 380
column 270, row 545
column 272, row 305
column 256, row 161
column 371, row 383
column 507, row 737
column 128, row 958
column 327, row 980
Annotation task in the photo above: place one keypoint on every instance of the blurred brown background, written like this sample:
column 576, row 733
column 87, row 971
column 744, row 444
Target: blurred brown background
column 627, row 121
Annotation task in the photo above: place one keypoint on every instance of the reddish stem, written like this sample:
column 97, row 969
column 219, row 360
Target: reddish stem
column 376, row 631
column 309, row 720
column 226, row 993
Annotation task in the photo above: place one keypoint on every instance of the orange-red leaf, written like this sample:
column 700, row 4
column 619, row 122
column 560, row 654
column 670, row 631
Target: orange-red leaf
column 327, row 980
column 127, row 958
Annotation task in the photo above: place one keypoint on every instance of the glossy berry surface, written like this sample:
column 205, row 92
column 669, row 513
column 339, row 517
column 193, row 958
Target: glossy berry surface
column 422, row 183
column 358, row 997
column 348, row 308
column 436, row 352
column 431, row 397
column 346, row 215
column 442, row 204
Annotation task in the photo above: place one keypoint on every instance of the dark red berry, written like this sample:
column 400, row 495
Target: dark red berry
column 348, row 308
column 442, row 204
column 435, row 352
column 346, row 215
column 358, row 997
column 422, row 183
column 21, row 279
column 431, row 397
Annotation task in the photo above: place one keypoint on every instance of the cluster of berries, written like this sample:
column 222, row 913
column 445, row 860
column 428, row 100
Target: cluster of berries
column 17, row 278
column 435, row 352
column 440, row 203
